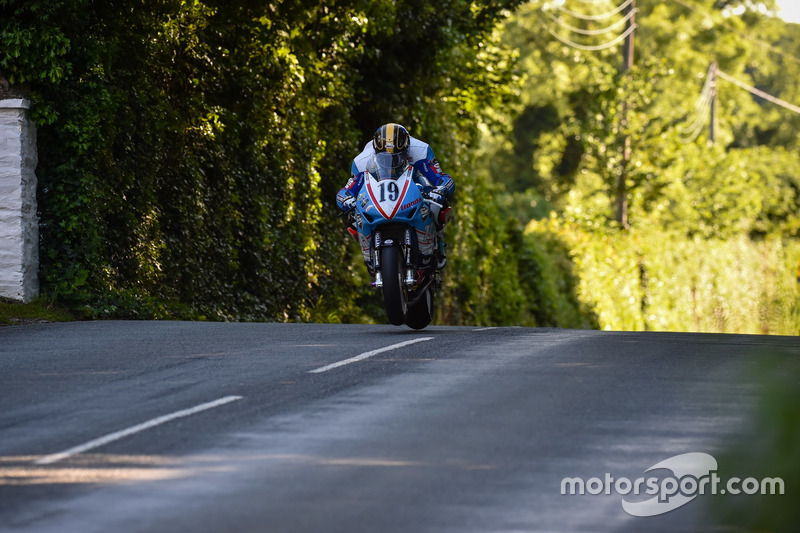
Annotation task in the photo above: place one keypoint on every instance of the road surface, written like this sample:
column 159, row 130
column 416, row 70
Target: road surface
column 210, row 427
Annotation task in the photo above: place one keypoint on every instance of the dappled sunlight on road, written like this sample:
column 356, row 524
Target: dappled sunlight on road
column 113, row 469
column 95, row 468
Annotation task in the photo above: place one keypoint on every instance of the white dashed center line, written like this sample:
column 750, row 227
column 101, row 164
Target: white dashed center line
column 367, row 355
column 111, row 437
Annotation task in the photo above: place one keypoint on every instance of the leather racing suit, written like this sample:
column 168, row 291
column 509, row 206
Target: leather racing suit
column 429, row 177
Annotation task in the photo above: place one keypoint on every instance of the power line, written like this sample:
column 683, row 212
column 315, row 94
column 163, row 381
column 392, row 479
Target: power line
column 628, row 19
column 691, row 132
column 758, row 92
column 595, row 17
column 601, row 31
column 707, row 101
column 594, row 48
column 701, row 108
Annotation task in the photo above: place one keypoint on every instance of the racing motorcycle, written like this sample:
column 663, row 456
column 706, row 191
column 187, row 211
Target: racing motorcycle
column 395, row 225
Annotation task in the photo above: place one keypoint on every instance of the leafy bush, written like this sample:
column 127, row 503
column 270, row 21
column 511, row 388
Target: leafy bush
column 649, row 279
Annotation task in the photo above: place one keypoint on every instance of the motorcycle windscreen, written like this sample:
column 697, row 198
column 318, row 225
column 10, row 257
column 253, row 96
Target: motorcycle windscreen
column 389, row 166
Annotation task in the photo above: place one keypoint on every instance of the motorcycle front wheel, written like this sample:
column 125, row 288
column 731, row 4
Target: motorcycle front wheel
column 420, row 313
column 394, row 295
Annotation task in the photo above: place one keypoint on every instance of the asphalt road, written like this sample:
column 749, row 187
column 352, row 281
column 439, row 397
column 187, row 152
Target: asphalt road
column 210, row 427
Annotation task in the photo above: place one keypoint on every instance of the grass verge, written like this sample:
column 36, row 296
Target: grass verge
column 38, row 311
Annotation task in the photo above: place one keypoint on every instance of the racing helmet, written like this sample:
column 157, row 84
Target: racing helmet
column 391, row 138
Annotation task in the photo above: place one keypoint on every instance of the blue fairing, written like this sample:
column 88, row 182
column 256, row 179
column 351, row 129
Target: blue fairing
column 391, row 204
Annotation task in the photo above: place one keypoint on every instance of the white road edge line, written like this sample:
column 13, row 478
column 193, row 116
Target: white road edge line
column 367, row 355
column 111, row 437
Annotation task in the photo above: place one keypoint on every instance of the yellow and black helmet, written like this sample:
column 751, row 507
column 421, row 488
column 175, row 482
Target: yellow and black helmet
column 391, row 138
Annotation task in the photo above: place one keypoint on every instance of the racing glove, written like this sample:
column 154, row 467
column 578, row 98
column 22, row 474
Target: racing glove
column 348, row 204
column 437, row 195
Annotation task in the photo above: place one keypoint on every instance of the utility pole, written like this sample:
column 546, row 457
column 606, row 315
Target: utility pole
column 712, row 134
column 627, row 65
column 627, row 50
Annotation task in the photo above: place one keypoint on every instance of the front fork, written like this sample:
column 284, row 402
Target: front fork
column 409, row 279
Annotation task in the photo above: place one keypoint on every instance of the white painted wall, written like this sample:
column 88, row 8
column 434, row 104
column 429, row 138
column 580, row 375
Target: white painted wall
column 19, row 225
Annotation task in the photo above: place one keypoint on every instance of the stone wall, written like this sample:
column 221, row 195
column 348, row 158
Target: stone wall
column 19, row 227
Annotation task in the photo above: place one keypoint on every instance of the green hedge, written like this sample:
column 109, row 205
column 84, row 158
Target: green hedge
column 648, row 279
column 190, row 152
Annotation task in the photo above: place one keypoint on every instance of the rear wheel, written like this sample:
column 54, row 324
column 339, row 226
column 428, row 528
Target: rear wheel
column 394, row 295
column 421, row 313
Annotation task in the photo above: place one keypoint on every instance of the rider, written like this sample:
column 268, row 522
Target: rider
column 435, row 184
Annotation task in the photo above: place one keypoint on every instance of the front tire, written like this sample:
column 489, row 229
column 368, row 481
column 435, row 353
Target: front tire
column 394, row 295
column 421, row 313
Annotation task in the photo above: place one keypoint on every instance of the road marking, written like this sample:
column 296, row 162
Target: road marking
column 367, row 355
column 485, row 329
column 111, row 437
